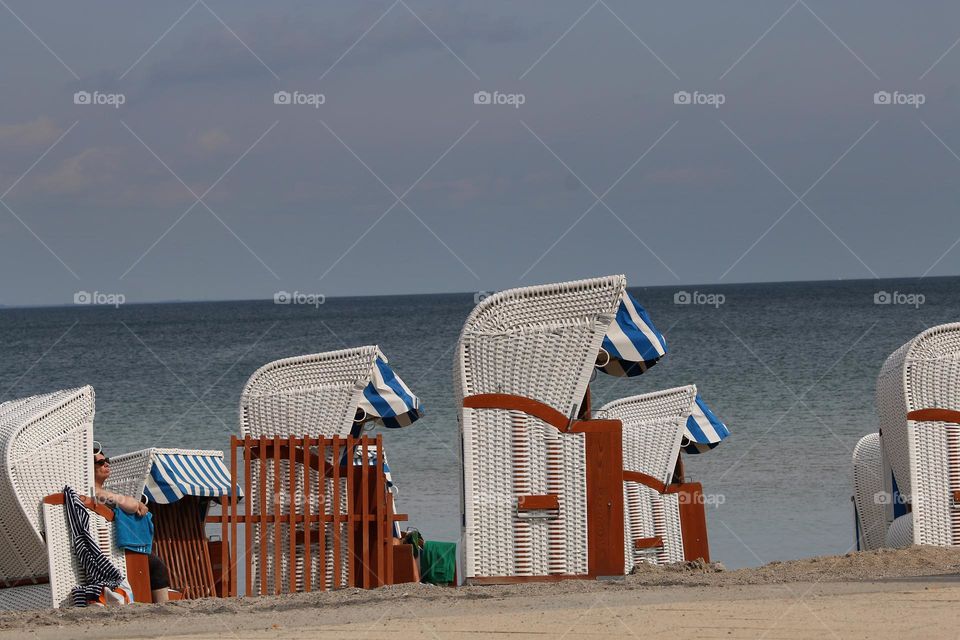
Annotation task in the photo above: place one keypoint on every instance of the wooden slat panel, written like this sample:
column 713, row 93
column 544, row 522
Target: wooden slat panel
column 276, row 515
column 365, row 501
column 263, row 514
column 248, row 511
column 292, row 512
column 335, row 508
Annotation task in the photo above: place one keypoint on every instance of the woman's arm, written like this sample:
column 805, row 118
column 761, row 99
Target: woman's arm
column 128, row 504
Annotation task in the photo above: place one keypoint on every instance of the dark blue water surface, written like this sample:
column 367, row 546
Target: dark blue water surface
column 790, row 367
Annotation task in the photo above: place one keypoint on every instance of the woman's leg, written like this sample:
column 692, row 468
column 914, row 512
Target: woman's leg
column 159, row 580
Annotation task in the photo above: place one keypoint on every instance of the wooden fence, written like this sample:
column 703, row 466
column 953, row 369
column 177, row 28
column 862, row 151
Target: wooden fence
column 316, row 514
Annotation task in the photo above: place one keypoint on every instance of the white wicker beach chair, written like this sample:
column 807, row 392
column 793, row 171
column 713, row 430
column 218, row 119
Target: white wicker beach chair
column 871, row 495
column 653, row 429
column 321, row 395
column 47, row 443
column 918, row 397
column 539, row 343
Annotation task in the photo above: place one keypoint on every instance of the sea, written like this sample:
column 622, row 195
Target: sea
column 791, row 368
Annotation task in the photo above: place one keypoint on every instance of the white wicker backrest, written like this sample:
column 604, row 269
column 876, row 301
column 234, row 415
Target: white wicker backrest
column 129, row 472
column 924, row 373
column 65, row 571
column 46, row 442
column 315, row 395
column 653, row 428
column 540, row 343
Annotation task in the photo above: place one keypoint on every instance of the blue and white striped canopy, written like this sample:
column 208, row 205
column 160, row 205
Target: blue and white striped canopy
column 388, row 400
column 632, row 342
column 175, row 475
column 704, row 429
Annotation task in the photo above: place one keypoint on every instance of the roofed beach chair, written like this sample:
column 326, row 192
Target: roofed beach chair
column 664, row 516
column 918, row 399
column 542, row 490
column 178, row 485
column 325, row 395
column 46, row 443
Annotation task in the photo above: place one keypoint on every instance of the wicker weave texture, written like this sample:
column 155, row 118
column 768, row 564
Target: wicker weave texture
column 653, row 428
column 315, row 395
column 924, row 373
column 46, row 442
column 539, row 343
column 868, row 492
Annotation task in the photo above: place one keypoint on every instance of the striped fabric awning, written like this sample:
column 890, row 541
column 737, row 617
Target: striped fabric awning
column 704, row 429
column 388, row 400
column 175, row 475
column 632, row 343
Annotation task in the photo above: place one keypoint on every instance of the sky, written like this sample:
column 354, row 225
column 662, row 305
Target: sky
column 145, row 150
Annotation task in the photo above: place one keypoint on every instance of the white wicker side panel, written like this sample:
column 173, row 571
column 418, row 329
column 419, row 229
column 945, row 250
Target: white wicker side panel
column 65, row 571
column 868, row 492
column 638, row 512
column 892, row 409
column 46, row 442
column 672, row 534
column 573, row 504
column 932, row 486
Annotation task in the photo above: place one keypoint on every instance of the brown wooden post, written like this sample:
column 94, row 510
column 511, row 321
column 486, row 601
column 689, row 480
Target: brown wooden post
column 228, row 523
column 604, row 457
column 292, row 508
column 365, row 511
column 277, row 443
column 263, row 514
column 322, row 502
column 382, row 537
column 351, row 513
column 248, row 518
column 307, row 525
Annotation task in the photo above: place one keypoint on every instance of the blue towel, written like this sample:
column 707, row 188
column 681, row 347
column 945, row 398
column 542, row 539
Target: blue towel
column 134, row 533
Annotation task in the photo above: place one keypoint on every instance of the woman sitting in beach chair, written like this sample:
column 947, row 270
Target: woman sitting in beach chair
column 159, row 576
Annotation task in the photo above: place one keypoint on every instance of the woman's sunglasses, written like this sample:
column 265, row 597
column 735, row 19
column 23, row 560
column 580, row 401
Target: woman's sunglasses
column 101, row 462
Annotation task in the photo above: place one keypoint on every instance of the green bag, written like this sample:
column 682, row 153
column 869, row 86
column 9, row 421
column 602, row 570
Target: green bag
column 438, row 562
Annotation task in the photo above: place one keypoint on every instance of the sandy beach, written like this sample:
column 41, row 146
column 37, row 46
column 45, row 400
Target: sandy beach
column 877, row 594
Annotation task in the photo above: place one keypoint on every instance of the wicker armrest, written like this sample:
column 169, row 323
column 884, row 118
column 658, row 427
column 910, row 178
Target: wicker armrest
column 934, row 415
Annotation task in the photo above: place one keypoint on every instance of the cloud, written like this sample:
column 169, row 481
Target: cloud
column 212, row 56
column 40, row 132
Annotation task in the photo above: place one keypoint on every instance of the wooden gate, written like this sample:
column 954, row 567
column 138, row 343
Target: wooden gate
column 316, row 515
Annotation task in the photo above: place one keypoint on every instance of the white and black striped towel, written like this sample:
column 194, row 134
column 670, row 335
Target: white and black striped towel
column 99, row 572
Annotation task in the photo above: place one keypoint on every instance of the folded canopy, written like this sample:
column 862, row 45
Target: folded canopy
column 704, row 430
column 387, row 399
column 175, row 475
column 632, row 343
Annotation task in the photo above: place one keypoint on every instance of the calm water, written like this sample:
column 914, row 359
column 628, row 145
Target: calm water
column 791, row 368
